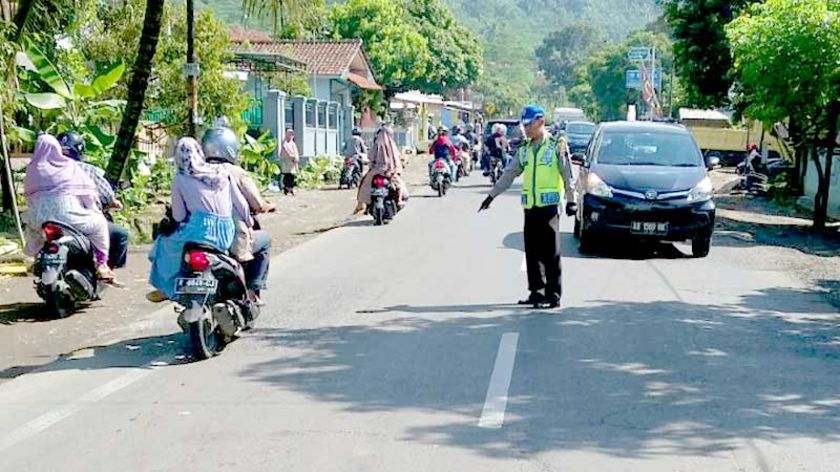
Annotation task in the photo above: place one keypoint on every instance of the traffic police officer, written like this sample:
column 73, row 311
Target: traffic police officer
column 547, row 176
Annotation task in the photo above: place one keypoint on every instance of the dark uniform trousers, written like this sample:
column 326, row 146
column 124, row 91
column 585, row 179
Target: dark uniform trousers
column 542, row 249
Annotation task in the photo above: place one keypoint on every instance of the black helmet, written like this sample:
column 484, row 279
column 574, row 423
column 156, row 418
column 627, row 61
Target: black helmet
column 72, row 144
column 357, row 132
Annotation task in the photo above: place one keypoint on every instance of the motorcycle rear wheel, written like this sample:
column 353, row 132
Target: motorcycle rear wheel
column 205, row 339
column 57, row 305
column 378, row 216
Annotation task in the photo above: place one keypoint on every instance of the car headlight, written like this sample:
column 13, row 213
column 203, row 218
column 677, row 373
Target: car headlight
column 595, row 186
column 702, row 191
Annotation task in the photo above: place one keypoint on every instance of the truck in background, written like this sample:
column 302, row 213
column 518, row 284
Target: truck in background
column 717, row 137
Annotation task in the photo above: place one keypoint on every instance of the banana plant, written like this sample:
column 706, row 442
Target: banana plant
column 75, row 104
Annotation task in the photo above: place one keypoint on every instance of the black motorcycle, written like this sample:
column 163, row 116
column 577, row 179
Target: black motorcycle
column 383, row 200
column 213, row 299
column 351, row 174
column 65, row 269
column 497, row 168
column 440, row 178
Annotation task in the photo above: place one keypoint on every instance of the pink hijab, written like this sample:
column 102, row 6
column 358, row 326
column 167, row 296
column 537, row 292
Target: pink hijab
column 51, row 172
column 386, row 158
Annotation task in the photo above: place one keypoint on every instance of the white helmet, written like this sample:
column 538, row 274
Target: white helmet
column 220, row 142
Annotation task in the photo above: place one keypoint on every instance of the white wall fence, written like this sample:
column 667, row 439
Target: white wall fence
column 321, row 127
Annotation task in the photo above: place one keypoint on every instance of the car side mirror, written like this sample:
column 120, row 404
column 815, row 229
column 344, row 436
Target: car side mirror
column 713, row 162
column 578, row 159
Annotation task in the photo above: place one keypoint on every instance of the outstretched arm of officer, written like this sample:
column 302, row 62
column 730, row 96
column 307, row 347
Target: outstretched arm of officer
column 513, row 170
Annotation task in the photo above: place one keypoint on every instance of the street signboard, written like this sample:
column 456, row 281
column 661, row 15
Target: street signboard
column 634, row 79
column 638, row 54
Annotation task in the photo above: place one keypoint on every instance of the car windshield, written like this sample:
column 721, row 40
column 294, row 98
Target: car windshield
column 648, row 148
column 580, row 128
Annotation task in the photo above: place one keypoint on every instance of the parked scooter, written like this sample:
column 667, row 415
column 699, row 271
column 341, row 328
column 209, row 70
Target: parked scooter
column 213, row 299
column 351, row 174
column 383, row 201
column 65, row 270
column 440, row 178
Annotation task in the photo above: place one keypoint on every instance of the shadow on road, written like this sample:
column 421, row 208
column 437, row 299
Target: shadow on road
column 22, row 312
column 627, row 379
column 624, row 248
column 147, row 352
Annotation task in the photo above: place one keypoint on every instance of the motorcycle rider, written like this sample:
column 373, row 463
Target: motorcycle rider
column 57, row 189
column 357, row 149
column 497, row 146
column 205, row 203
column 251, row 246
column 753, row 158
column 73, row 146
column 385, row 160
column 442, row 148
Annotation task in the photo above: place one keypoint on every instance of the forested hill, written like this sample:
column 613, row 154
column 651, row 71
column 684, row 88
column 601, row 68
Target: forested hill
column 510, row 31
column 536, row 18
column 531, row 19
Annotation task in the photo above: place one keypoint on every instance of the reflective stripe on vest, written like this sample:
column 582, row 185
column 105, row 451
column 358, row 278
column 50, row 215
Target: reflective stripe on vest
column 542, row 183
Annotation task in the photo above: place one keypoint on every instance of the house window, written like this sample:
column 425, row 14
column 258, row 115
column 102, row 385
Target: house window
column 310, row 114
column 322, row 115
column 289, row 114
column 333, row 117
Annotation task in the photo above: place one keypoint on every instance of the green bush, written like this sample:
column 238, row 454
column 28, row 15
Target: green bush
column 322, row 170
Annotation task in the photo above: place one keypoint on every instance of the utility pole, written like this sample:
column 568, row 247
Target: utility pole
column 191, row 70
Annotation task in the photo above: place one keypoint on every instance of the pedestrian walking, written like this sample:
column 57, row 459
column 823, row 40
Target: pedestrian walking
column 546, row 165
column 289, row 162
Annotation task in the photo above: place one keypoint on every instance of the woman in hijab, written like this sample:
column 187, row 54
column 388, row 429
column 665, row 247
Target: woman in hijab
column 57, row 189
column 204, row 202
column 385, row 160
column 289, row 162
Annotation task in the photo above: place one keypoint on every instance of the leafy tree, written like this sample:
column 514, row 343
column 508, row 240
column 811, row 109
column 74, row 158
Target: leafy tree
column 457, row 54
column 167, row 91
column 218, row 95
column 290, row 18
column 398, row 52
column 561, row 52
column 411, row 43
column 786, row 55
column 701, row 47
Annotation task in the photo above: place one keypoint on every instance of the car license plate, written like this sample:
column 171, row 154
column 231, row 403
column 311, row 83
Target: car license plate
column 649, row 227
column 196, row 286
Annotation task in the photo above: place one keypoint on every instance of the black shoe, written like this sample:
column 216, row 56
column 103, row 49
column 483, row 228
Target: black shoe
column 553, row 302
column 534, row 299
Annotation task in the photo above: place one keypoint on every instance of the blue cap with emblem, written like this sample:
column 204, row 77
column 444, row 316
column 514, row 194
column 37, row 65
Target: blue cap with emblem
column 532, row 113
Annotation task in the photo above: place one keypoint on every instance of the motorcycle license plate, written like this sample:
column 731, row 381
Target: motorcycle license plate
column 649, row 228
column 53, row 259
column 196, row 286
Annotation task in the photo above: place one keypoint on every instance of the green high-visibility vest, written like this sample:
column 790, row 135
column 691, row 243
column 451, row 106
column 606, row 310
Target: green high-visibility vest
column 542, row 183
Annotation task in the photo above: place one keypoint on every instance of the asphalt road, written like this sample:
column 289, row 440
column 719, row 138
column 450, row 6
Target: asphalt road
column 399, row 348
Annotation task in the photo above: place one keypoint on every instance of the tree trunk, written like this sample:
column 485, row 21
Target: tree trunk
column 141, row 72
column 821, row 203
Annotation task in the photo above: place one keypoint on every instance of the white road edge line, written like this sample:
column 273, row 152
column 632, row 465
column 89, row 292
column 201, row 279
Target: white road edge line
column 493, row 414
column 52, row 417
